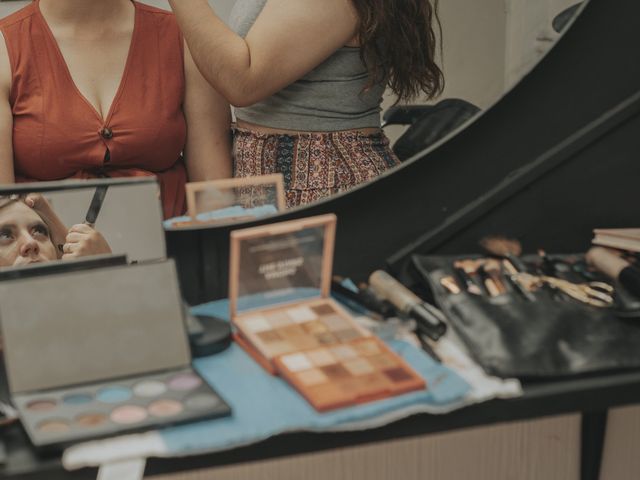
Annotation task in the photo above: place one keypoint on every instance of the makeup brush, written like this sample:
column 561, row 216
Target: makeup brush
column 509, row 250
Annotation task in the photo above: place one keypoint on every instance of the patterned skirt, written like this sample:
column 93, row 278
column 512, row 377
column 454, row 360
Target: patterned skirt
column 314, row 165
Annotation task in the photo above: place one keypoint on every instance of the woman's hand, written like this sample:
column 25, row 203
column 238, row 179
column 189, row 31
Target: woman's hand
column 82, row 241
column 58, row 230
column 287, row 40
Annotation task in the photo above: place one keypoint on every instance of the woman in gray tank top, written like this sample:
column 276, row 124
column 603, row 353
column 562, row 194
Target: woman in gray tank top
column 307, row 78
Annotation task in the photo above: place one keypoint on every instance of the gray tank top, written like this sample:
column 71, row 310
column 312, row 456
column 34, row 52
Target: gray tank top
column 328, row 98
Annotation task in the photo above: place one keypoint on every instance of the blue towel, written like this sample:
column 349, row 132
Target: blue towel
column 264, row 405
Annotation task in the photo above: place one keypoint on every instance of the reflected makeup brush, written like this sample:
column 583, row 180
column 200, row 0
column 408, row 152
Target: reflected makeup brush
column 95, row 206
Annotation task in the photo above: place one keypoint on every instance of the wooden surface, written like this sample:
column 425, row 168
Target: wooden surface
column 621, row 459
column 540, row 449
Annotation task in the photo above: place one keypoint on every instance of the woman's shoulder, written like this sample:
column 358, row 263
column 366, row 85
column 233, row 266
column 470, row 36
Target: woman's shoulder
column 18, row 16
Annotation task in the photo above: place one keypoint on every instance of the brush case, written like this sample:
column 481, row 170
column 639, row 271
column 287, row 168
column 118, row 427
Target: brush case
column 548, row 335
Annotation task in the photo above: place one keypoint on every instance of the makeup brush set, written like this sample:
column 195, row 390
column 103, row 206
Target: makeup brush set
column 531, row 316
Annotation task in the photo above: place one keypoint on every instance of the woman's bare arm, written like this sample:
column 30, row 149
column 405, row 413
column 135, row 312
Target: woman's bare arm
column 6, row 118
column 208, row 149
column 288, row 39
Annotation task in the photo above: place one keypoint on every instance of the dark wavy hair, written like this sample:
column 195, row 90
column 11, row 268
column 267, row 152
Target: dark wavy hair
column 398, row 45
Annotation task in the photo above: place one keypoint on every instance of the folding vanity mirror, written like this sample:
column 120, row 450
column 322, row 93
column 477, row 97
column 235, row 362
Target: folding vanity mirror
column 65, row 221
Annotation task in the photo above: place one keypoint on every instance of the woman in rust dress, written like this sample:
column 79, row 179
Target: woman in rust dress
column 90, row 88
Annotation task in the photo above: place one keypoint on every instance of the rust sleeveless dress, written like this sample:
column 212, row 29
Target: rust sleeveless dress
column 58, row 134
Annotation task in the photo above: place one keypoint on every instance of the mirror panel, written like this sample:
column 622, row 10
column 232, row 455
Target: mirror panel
column 486, row 48
column 42, row 222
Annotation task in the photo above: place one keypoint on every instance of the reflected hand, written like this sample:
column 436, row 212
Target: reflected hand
column 83, row 240
column 42, row 207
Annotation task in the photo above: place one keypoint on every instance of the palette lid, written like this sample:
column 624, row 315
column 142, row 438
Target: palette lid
column 281, row 263
column 87, row 326
column 232, row 199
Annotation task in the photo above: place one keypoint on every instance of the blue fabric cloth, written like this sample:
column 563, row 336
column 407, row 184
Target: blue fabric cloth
column 264, row 405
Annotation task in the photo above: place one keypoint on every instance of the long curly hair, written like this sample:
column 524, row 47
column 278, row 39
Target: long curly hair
column 398, row 44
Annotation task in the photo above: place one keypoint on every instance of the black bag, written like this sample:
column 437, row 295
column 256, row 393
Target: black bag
column 512, row 336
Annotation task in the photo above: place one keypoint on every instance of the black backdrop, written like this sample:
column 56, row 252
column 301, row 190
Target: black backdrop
column 555, row 157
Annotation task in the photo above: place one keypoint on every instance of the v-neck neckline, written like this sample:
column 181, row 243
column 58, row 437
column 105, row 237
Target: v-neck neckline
column 104, row 120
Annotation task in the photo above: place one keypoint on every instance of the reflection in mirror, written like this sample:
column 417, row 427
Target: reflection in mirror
column 231, row 200
column 483, row 48
column 487, row 47
column 43, row 222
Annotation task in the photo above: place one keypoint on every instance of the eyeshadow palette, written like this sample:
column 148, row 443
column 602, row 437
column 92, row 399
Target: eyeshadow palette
column 236, row 196
column 348, row 373
column 279, row 283
column 74, row 414
column 281, row 330
column 85, row 362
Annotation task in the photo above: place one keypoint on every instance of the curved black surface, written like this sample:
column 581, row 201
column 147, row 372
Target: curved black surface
column 592, row 72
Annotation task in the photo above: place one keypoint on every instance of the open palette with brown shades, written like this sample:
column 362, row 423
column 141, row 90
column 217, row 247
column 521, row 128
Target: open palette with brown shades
column 279, row 285
column 348, row 373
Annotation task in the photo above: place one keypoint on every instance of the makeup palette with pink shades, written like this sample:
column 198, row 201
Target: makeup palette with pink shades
column 90, row 362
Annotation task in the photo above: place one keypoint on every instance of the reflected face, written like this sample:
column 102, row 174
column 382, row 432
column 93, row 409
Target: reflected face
column 24, row 237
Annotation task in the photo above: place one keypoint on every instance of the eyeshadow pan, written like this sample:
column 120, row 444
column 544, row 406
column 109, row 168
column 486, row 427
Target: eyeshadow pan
column 128, row 414
column 41, row 405
column 295, row 335
column 347, row 335
column 336, row 371
column 279, row 319
column 269, row 337
column 326, row 338
column 374, row 381
column 398, row 374
column 358, row 366
column 53, row 426
column 324, row 309
column 256, row 324
column 184, row 382
column 314, row 327
column 321, row 357
column 91, row 419
column 312, row 377
column 165, row 408
column 291, row 331
column 382, row 361
column 77, row 399
column 114, row 394
column 149, row 388
column 336, row 322
column 201, row 401
column 343, row 352
column 296, row 362
column 366, row 347
column 301, row 314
